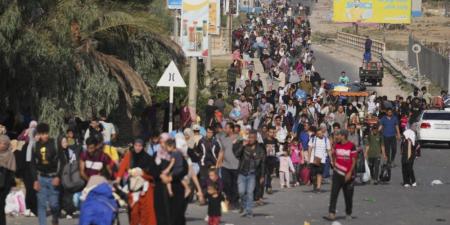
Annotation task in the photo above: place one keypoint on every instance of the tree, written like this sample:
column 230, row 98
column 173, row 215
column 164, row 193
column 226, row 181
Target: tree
column 63, row 58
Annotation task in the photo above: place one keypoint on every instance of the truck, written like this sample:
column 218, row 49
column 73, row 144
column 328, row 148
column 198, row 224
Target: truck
column 371, row 72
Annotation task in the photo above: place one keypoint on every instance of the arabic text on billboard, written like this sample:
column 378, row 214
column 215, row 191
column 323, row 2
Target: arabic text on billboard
column 194, row 27
column 372, row 11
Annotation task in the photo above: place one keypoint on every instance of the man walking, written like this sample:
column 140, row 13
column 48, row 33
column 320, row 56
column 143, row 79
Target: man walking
column 272, row 148
column 208, row 150
column 390, row 130
column 251, row 161
column 228, row 163
column 46, row 171
column 344, row 162
column 373, row 153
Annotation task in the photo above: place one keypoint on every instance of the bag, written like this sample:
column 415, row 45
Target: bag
column 15, row 203
column 305, row 175
column 366, row 176
column 385, row 175
column 71, row 178
column 360, row 165
column 417, row 149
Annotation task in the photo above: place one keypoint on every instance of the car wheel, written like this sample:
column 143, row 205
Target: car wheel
column 448, row 144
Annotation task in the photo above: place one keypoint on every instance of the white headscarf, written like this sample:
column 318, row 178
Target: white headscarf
column 409, row 134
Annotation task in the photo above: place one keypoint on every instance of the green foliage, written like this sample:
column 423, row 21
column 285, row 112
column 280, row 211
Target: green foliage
column 44, row 70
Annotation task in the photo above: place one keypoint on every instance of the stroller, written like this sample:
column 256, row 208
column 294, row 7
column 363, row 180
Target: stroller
column 99, row 206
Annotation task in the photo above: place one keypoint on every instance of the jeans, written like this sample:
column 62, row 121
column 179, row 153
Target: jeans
column 326, row 168
column 47, row 193
column 390, row 145
column 230, row 186
column 337, row 184
column 259, row 187
column 374, row 166
column 295, row 175
column 408, row 171
column 246, row 184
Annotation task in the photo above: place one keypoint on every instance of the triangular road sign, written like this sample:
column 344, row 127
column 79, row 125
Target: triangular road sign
column 171, row 77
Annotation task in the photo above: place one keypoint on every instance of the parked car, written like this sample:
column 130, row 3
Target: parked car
column 434, row 127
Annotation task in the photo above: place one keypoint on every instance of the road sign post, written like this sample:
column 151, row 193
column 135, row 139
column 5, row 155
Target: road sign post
column 171, row 78
column 416, row 48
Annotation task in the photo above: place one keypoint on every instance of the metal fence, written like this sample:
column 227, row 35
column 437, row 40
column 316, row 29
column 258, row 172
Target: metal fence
column 356, row 41
column 433, row 65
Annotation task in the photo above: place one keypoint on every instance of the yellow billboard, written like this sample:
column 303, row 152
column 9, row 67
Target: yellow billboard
column 372, row 11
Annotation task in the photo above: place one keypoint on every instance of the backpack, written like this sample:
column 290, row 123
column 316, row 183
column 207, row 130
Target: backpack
column 71, row 178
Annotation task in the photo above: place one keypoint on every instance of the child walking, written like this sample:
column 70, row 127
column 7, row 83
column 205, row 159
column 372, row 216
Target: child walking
column 285, row 168
column 297, row 159
column 214, row 204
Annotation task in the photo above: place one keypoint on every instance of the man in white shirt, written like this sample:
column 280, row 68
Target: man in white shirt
column 318, row 149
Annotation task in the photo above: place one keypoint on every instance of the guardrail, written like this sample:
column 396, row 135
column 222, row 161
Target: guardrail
column 356, row 41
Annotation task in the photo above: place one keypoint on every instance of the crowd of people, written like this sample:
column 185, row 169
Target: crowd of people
column 289, row 127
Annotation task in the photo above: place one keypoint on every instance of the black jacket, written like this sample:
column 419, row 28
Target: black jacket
column 251, row 160
column 208, row 151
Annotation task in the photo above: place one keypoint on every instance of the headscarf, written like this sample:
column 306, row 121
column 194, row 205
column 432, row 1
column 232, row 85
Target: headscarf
column 409, row 134
column 181, row 143
column 162, row 154
column 190, row 142
column 7, row 159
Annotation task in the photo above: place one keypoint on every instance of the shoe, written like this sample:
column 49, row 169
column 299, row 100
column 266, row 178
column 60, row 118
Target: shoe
column 269, row 191
column 297, row 184
column 330, row 218
column 414, row 184
column 406, row 185
column 243, row 214
column 206, row 218
column 249, row 215
column 69, row 217
column 375, row 183
column 348, row 217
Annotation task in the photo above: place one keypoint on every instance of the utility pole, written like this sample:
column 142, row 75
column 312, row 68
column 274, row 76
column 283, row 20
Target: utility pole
column 193, row 87
column 230, row 32
column 175, row 25
column 208, row 65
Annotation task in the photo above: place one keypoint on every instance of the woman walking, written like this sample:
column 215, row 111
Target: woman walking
column 408, row 156
column 141, row 196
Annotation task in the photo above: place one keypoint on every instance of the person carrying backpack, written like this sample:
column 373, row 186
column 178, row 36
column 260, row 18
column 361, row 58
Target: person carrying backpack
column 70, row 178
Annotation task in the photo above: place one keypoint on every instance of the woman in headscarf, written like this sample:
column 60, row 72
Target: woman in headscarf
column 169, row 210
column 7, row 169
column 138, row 164
column 408, row 156
column 67, row 155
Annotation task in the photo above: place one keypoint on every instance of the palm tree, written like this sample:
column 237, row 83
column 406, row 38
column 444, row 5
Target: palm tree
column 75, row 57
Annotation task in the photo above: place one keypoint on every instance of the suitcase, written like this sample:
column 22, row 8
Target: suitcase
column 305, row 175
column 385, row 175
